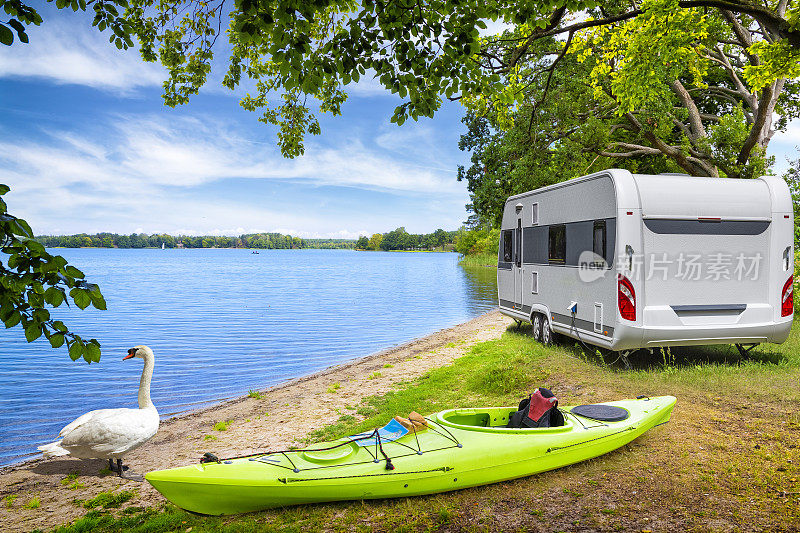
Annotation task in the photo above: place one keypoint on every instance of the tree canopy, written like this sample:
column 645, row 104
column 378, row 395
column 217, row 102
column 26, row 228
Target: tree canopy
column 601, row 98
column 302, row 54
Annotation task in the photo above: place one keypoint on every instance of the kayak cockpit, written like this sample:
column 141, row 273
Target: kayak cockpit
column 491, row 420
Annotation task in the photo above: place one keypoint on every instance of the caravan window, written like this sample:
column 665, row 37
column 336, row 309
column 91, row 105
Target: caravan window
column 508, row 245
column 557, row 244
column 599, row 239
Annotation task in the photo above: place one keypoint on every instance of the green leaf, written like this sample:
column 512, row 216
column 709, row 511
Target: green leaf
column 82, row 297
column 98, row 301
column 35, row 299
column 26, row 229
column 73, row 272
column 57, row 340
column 4, row 189
column 76, row 350
column 13, row 319
column 35, row 247
column 92, row 351
column 54, row 296
column 33, row 331
column 6, row 35
column 14, row 23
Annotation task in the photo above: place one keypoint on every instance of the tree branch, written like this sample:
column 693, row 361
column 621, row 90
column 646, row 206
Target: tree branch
column 774, row 22
column 694, row 114
column 552, row 29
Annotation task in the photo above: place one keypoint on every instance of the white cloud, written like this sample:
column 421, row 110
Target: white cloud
column 141, row 173
column 67, row 50
column 187, row 152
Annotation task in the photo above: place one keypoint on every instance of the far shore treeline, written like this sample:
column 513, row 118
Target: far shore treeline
column 142, row 240
column 398, row 239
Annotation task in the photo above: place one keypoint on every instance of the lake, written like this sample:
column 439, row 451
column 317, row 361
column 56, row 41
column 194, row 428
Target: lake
column 223, row 322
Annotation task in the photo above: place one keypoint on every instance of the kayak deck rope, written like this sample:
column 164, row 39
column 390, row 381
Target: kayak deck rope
column 554, row 448
column 269, row 456
column 575, row 416
column 440, row 469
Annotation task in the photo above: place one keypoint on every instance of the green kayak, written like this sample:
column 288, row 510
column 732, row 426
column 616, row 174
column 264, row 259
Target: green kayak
column 460, row 448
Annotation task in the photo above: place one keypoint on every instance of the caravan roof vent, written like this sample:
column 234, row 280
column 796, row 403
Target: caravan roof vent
column 675, row 174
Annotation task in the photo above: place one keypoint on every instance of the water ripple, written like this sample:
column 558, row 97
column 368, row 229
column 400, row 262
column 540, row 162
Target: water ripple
column 223, row 322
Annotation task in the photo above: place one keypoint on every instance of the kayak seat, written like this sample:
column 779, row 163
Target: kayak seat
column 472, row 419
column 491, row 420
column 488, row 418
column 601, row 412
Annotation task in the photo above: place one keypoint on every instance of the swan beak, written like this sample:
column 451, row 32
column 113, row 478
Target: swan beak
column 131, row 353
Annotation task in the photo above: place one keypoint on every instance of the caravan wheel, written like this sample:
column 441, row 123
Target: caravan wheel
column 537, row 327
column 547, row 334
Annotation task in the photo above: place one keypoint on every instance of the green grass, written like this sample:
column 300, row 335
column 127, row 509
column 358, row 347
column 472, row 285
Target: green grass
column 334, row 387
column 222, row 425
column 375, row 375
column 729, row 459
column 8, row 501
column 255, row 394
column 482, row 260
column 71, row 481
column 33, row 503
column 109, row 500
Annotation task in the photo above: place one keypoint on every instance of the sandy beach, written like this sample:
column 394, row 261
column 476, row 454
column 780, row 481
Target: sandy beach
column 281, row 417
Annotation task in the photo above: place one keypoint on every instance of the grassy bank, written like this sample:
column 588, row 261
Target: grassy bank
column 727, row 461
column 483, row 259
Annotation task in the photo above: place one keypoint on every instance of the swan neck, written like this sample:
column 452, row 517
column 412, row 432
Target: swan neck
column 144, row 384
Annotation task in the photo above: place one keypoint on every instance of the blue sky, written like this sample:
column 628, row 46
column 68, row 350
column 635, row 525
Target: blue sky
column 87, row 145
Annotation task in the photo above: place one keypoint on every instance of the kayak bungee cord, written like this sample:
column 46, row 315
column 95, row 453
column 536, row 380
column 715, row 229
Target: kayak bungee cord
column 209, row 457
column 554, row 448
column 264, row 457
column 575, row 416
column 297, row 480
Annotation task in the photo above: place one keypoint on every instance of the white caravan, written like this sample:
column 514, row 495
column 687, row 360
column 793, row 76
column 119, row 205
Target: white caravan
column 626, row 261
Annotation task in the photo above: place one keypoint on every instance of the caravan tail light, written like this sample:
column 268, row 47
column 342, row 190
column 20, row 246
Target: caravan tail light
column 626, row 298
column 787, row 297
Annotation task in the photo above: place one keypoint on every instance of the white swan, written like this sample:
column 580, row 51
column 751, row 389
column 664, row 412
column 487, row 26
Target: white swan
column 111, row 433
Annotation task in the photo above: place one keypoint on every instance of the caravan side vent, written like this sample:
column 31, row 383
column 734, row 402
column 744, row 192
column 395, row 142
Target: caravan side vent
column 535, row 214
column 534, row 283
column 598, row 317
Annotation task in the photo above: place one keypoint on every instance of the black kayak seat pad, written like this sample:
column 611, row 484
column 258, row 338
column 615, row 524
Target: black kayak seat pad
column 604, row 413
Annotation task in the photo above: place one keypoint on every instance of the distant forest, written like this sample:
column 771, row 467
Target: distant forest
column 141, row 240
column 398, row 239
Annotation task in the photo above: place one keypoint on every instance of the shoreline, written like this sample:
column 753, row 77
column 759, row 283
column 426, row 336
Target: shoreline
column 283, row 415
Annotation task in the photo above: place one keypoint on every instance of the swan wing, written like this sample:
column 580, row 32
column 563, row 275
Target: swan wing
column 77, row 422
column 111, row 432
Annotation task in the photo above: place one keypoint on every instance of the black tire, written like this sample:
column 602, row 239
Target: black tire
column 547, row 333
column 537, row 326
